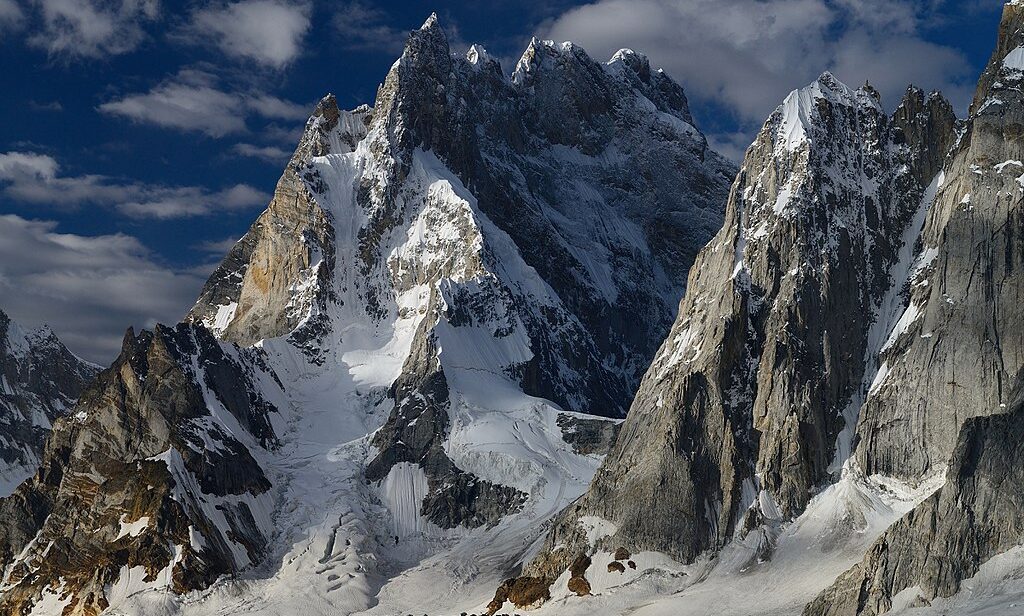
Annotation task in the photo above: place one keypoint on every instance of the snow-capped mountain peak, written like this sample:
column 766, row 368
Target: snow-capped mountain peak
column 446, row 294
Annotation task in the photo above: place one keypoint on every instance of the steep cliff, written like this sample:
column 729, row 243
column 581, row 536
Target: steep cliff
column 945, row 394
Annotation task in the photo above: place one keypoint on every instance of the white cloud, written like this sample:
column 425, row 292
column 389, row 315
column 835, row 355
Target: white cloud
column 193, row 101
column 182, row 106
column 39, row 166
column 268, row 31
column 288, row 135
column 88, row 288
column 273, row 107
column 182, row 202
column 746, row 55
column 35, row 178
column 93, row 28
column 267, row 153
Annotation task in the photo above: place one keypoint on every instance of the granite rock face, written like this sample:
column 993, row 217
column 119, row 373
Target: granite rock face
column 251, row 296
column 40, row 379
column 740, row 412
column 554, row 213
column 960, row 344
column 946, row 396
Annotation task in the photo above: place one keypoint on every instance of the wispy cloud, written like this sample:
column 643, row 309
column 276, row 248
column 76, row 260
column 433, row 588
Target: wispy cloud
column 193, row 100
column 189, row 201
column 364, row 27
column 183, row 104
column 92, row 28
column 218, row 247
column 11, row 15
column 276, row 108
column 48, row 106
column 35, row 178
column 88, row 288
column 270, row 32
column 267, row 153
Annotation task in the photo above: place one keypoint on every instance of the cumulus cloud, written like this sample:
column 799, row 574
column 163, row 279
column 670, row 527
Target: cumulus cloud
column 92, row 28
column 748, row 54
column 193, row 100
column 88, row 288
column 267, row 31
column 35, row 178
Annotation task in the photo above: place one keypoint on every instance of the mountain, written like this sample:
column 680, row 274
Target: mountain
column 147, row 480
column 40, row 379
column 407, row 385
column 741, row 415
column 839, row 384
column 418, row 353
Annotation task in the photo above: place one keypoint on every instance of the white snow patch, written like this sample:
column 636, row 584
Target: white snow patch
column 597, row 528
column 132, row 529
column 782, row 200
column 1003, row 165
column 838, row 526
column 996, row 590
column 403, row 491
column 223, row 318
column 1014, row 60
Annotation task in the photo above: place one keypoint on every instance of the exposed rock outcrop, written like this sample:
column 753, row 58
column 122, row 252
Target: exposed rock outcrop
column 554, row 215
column 252, row 295
column 945, row 394
column 959, row 345
column 477, row 254
column 146, row 472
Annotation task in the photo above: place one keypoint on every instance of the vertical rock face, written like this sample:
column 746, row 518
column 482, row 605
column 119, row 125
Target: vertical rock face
column 960, row 343
column 945, row 394
column 150, row 476
column 252, row 295
column 40, row 379
column 741, row 410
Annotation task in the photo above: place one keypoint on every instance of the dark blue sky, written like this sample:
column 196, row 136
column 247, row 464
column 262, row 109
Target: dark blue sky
column 141, row 136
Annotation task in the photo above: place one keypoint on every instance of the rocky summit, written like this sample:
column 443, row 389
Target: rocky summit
column 40, row 379
column 517, row 338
